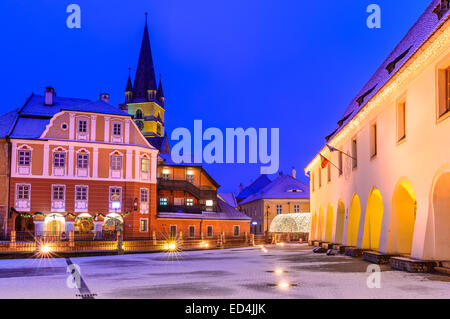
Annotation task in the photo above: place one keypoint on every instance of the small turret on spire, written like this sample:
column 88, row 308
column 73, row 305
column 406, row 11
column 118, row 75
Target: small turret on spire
column 129, row 88
column 160, row 94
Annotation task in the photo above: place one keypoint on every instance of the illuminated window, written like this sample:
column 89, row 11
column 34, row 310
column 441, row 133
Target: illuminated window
column 190, row 177
column 189, row 202
column 143, row 224
column 145, row 165
column 401, row 121
column 163, row 201
column 115, row 199
column 354, row 154
column 373, row 140
column 444, row 92
column 166, row 174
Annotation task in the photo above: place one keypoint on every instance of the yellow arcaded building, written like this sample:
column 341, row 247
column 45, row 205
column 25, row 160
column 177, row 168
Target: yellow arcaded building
column 381, row 182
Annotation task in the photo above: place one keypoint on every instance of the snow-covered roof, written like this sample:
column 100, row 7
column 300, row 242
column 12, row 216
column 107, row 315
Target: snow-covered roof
column 261, row 182
column 31, row 120
column 284, row 186
column 36, row 106
column 7, row 121
column 422, row 30
column 226, row 212
column 229, row 199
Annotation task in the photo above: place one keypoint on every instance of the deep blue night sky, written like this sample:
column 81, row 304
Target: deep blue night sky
column 255, row 63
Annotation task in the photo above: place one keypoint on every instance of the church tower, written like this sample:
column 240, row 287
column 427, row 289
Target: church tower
column 144, row 100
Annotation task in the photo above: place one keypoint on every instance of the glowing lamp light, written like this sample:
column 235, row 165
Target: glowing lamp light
column 45, row 249
column 279, row 271
column 254, row 223
column 166, row 171
column 283, row 284
column 170, row 246
column 203, row 244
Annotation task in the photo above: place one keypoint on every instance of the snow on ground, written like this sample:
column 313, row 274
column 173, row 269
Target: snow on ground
column 230, row 273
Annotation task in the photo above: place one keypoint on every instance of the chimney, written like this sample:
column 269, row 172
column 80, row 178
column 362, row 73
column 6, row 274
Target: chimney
column 49, row 93
column 294, row 173
column 104, row 97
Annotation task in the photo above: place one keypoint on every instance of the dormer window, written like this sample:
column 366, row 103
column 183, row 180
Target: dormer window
column 295, row 190
column 59, row 163
column 24, row 161
column 116, row 132
column 116, row 165
column 82, row 129
column 138, row 115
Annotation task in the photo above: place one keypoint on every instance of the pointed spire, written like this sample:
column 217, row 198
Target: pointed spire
column 129, row 85
column 160, row 92
column 145, row 73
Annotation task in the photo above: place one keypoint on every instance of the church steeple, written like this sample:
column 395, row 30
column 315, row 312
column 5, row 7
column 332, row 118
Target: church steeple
column 160, row 93
column 144, row 81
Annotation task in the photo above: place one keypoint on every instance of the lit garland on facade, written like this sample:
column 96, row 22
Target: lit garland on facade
column 401, row 78
column 26, row 215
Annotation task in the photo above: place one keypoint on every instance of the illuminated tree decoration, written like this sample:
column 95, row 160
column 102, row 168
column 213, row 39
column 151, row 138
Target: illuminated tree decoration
column 291, row 223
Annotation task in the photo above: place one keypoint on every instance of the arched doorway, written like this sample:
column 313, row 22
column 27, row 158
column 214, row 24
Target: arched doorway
column 84, row 224
column 441, row 210
column 329, row 224
column 340, row 219
column 54, row 224
column 373, row 220
column 320, row 224
column 403, row 218
column 353, row 221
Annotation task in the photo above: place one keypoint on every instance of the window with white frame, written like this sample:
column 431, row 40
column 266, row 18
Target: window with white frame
column 82, row 164
column 59, row 163
column 209, row 205
column 116, row 165
column 82, row 129
column 23, row 197
column 209, row 231
column 81, row 198
column 143, row 225
column 24, row 161
column 296, row 208
column 145, row 168
column 58, row 198
column 189, row 202
column 236, row 231
column 144, row 200
column 116, row 135
column 192, row 231
column 115, row 199
column 163, row 201
column 279, row 209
